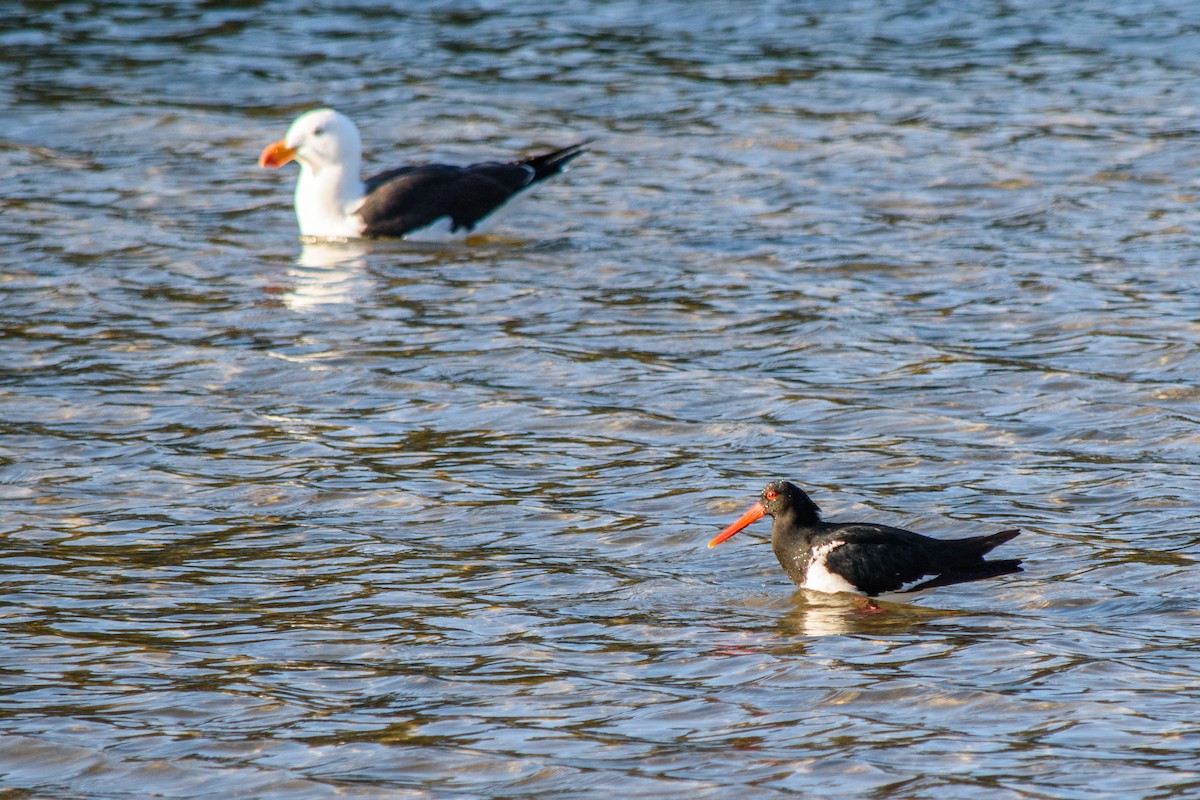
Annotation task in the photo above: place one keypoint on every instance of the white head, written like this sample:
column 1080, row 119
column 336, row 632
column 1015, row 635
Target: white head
column 329, row 189
column 317, row 139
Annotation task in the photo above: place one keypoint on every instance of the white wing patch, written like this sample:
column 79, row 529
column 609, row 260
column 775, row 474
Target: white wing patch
column 819, row 579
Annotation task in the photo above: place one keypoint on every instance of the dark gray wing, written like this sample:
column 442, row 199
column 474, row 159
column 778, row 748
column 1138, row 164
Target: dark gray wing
column 404, row 200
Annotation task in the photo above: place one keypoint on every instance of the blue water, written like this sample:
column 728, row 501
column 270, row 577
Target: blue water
column 400, row 521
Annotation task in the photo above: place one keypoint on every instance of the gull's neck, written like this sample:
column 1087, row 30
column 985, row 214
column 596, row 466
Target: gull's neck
column 326, row 197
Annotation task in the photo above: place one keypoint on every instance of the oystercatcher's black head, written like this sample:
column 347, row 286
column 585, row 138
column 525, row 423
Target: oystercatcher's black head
column 778, row 499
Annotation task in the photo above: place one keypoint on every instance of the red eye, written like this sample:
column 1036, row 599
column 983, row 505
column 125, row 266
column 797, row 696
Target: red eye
column 771, row 495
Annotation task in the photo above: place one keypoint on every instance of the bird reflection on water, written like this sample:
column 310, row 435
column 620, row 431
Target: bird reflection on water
column 820, row 614
column 326, row 273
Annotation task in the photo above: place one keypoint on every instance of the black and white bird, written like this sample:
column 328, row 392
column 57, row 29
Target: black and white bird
column 863, row 557
column 334, row 202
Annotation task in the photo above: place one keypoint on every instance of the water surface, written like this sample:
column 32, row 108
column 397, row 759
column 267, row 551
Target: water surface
column 400, row 521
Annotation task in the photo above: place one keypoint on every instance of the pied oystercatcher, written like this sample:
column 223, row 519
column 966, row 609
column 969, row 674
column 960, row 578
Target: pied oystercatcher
column 863, row 557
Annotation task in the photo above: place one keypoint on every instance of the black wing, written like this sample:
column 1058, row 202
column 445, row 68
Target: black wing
column 879, row 558
column 403, row 200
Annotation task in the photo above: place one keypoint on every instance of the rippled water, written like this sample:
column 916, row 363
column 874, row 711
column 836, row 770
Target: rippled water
column 404, row 521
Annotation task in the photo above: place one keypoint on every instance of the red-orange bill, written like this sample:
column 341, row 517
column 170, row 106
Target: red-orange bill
column 276, row 155
column 755, row 512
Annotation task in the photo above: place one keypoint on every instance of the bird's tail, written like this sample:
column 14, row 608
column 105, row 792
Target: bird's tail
column 979, row 546
column 964, row 560
column 552, row 163
column 984, row 569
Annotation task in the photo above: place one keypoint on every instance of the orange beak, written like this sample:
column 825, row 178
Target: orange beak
column 276, row 155
column 753, row 514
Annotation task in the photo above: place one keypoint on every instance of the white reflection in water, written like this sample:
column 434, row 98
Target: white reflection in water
column 816, row 614
column 327, row 273
column 822, row 616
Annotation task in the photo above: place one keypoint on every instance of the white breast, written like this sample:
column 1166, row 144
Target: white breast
column 818, row 579
column 324, row 202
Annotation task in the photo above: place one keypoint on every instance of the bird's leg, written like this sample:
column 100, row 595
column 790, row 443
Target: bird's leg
column 868, row 606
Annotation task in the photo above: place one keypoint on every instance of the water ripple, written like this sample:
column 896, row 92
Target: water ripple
column 284, row 519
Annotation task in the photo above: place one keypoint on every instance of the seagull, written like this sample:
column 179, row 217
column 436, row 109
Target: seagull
column 334, row 202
